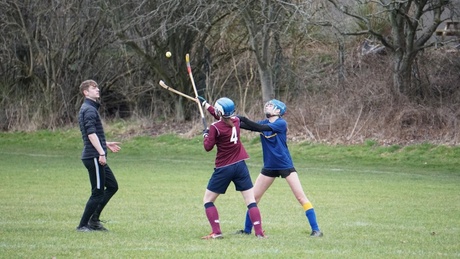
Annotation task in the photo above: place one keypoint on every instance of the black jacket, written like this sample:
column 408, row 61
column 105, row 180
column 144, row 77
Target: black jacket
column 90, row 122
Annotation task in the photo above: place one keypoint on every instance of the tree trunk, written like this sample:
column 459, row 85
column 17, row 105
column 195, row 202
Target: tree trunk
column 179, row 110
column 266, row 83
column 402, row 76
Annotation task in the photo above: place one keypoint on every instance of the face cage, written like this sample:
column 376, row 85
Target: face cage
column 219, row 113
column 273, row 110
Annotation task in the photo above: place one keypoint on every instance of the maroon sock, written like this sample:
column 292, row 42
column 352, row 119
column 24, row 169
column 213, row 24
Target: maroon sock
column 254, row 214
column 213, row 217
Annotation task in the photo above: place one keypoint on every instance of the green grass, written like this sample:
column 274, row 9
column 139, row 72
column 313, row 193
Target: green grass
column 371, row 201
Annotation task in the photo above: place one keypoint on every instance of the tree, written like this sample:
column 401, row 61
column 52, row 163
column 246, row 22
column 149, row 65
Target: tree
column 412, row 24
column 260, row 18
column 46, row 50
column 151, row 28
column 266, row 22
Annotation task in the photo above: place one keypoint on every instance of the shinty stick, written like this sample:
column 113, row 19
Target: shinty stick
column 165, row 86
column 189, row 70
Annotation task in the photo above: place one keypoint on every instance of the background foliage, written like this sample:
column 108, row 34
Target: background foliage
column 301, row 52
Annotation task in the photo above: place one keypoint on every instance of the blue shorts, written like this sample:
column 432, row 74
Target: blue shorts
column 237, row 173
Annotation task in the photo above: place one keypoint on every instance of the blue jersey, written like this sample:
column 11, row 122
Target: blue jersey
column 274, row 145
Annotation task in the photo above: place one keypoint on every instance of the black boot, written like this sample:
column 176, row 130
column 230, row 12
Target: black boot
column 95, row 224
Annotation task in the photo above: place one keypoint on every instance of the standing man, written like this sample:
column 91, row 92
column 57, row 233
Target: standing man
column 94, row 157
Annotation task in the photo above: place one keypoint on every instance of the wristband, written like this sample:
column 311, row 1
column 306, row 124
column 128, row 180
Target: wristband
column 102, row 155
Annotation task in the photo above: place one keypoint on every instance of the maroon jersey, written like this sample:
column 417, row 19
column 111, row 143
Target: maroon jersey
column 227, row 139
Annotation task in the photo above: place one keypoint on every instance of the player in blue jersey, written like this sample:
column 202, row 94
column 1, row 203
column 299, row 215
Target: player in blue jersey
column 230, row 166
column 277, row 161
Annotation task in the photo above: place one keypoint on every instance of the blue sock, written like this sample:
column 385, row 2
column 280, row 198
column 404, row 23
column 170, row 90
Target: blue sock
column 311, row 216
column 248, row 223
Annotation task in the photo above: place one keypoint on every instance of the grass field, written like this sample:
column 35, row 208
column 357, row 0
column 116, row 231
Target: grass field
column 371, row 201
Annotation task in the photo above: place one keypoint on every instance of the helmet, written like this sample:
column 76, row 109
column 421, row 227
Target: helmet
column 225, row 107
column 277, row 105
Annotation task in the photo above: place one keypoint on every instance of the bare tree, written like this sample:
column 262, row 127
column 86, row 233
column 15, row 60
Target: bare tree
column 260, row 18
column 47, row 48
column 412, row 24
column 151, row 28
column 264, row 20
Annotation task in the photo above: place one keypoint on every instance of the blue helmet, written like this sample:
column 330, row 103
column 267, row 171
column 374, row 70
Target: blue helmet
column 278, row 105
column 225, row 107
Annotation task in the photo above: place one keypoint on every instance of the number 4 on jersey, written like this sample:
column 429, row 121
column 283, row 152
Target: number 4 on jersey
column 234, row 137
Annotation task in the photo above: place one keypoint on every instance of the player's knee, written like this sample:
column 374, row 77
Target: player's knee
column 97, row 195
column 113, row 189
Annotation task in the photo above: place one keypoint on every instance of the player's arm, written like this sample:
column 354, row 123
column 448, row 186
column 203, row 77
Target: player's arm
column 248, row 124
column 209, row 138
column 212, row 111
column 207, row 107
column 94, row 139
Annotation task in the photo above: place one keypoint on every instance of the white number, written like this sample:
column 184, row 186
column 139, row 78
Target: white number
column 234, row 137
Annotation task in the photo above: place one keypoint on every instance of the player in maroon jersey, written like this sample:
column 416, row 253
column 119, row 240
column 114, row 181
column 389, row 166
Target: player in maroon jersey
column 230, row 165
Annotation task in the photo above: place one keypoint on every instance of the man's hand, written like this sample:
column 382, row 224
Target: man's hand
column 102, row 160
column 114, row 146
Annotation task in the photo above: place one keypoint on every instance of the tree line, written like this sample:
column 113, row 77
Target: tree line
column 251, row 51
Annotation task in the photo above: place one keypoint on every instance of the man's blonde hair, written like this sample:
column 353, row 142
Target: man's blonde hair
column 85, row 85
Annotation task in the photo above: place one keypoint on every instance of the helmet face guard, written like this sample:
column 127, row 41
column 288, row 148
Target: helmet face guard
column 224, row 107
column 274, row 108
